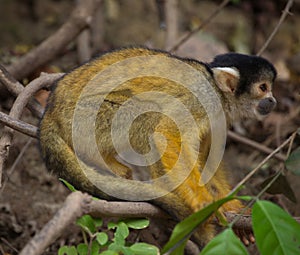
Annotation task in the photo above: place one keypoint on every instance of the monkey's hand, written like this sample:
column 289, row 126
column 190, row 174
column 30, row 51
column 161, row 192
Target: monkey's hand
column 245, row 235
column 242, row 226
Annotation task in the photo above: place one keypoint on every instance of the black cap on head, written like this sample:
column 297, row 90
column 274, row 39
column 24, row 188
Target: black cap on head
column 251, row 69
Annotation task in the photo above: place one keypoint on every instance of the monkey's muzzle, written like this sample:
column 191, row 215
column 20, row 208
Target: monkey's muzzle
column 266, row 105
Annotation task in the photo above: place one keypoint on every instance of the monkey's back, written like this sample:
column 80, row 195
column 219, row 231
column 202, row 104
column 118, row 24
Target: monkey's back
column 74, row 103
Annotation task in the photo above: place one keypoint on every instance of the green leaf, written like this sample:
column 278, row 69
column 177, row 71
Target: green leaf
column 121, row 233
column 108, row 252
column 293, row 162
column 245, row 198
column 86, row 222
column 115, row 247
column 183, row 229
column 67, row 250
column 98, row 222
column 112, row 225
column 69, row 185
column 127, row 251
column 82, row 249
column 144, row 249
column 275, row 231
column 95, row 248
column 225, row 243
column 178, row 249
column 102, row 238
column 122, row 229
column 137, row 223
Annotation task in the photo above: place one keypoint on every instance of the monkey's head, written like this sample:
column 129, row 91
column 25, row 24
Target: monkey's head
column 246, row 81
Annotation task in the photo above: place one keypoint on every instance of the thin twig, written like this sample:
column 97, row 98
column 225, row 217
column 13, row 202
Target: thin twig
column 291, row 143
column 275, row 177
column 248, row 176
column 203, row 24
column 9, row 245
column 255, row 145
column 285, row 12
column 13, row 167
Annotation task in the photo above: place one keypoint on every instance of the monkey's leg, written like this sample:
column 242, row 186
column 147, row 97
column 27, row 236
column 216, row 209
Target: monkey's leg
column 61, row 159
column 218, row 186
column 189, row 196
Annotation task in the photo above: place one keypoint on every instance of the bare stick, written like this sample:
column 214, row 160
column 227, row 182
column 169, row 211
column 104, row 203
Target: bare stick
column 204, row 23
column 12, row 85
column 18, row 125
column 285, row 12
column 102, row 208
column 171, row 10
column 255, row 145
column 43, row 81
column 53, row 45
column 248, row 176
column 84, row 50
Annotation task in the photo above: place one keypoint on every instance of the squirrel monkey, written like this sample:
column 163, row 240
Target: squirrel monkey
column 139, row 124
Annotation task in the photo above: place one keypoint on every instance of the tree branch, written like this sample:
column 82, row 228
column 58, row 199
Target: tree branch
column 18, row 125
column 53, row 45
column 77, row 204
column 17, row 109
column 15, row 88
column 102, row 208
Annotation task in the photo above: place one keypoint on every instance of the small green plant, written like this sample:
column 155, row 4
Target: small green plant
column 275, row 231
column 97, row 242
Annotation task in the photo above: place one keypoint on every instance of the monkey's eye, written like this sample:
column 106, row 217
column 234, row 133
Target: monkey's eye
column 263, row 87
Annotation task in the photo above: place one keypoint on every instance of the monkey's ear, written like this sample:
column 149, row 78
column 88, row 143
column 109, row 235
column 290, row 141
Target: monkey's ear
column 227, row 78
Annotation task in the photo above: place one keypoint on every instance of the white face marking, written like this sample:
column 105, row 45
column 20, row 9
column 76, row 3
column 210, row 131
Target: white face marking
column 230, row 70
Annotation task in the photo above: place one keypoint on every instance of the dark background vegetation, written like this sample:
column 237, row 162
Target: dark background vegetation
column 30, row 195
